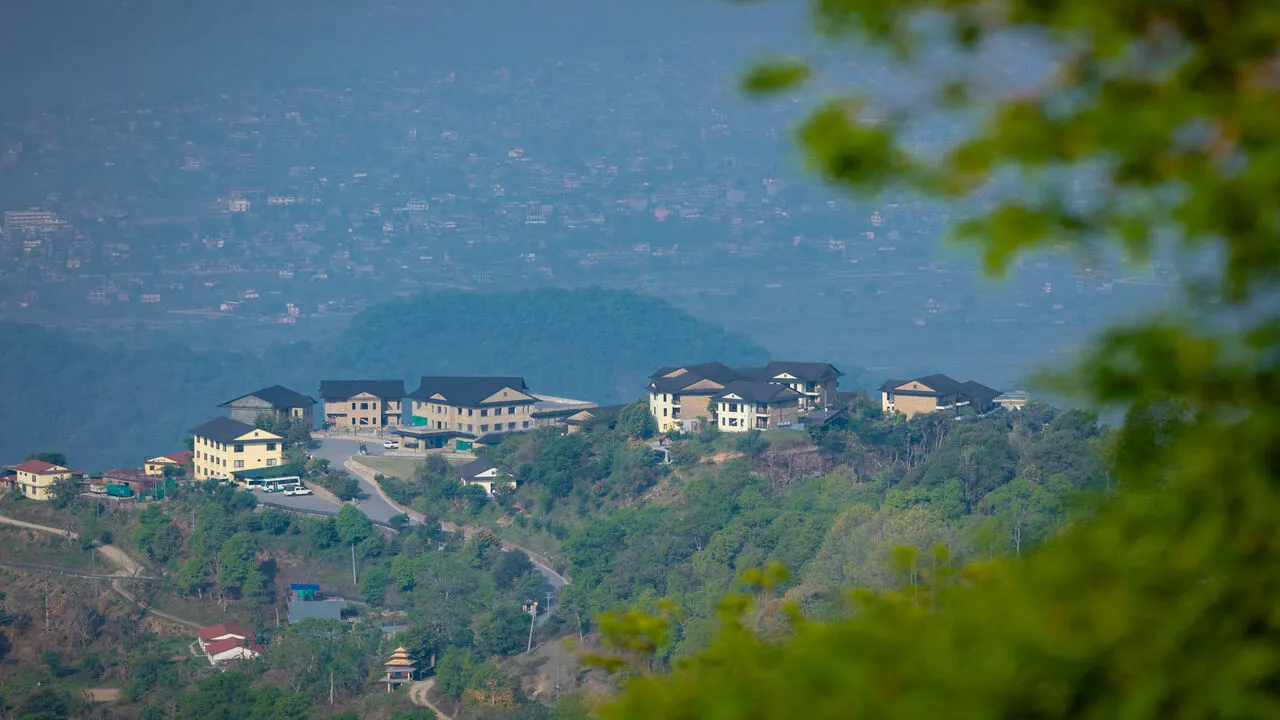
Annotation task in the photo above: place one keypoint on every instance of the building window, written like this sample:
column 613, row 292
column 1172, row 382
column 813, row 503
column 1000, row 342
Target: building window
column 364, row 406
column 511, row 426
column 271, row 446
column 888, row 397
column 484, row 428
column 526, row 424
column 239, row 448
column 239, row 463
column 484, row 412
column 469, row 428
column 353, row 406
column 511, row 410
column 733, row 407
column 470, row 412
column 353, row 421
column 271, row 461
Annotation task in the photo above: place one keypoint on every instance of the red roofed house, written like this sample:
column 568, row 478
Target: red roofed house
column 224, row 642
column 221, row 651
column 155, row 467
column 35, row 478
column 222, row 631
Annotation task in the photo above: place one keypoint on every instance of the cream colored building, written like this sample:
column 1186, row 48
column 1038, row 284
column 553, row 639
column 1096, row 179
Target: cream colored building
column 934, row 393
column 680, row 396
column 156, row 466
column 485, row 474
column 35, row 478
column 476, row 406
column 754, row 405
column 361, row 405
column 223, row 446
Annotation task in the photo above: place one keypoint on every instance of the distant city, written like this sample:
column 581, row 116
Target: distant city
column 293, row 207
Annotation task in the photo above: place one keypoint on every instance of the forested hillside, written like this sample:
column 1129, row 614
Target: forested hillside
column 869, row 502
column 109, row 406
column 831, row 505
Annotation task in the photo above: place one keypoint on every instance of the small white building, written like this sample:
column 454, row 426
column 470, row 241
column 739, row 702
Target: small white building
column 485, row 474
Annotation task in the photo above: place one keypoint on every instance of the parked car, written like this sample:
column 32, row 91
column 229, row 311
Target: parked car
column 299, row 490
column 391, row 444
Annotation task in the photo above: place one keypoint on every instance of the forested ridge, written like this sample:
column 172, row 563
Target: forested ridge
column 835, row 504
column 111, row 405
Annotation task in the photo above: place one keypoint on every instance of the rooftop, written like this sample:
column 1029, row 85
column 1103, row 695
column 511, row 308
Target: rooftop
column 225, row 430
column 343, row 389
column 39, row 467
column 316, row 610
column 465, row 390
column 278, row 396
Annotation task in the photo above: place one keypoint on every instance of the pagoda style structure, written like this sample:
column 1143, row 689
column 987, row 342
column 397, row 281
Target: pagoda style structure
column 400, row 669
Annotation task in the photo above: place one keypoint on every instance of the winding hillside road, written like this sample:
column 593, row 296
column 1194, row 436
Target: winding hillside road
column 543, row 563
column 418, row 694
column 127, row 568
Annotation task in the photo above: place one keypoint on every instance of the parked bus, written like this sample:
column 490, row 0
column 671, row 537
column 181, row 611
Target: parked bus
column 272, row 485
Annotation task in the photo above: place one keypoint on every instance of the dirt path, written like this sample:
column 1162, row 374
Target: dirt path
column 418, row 694
column 540, row 561
column 126, row 567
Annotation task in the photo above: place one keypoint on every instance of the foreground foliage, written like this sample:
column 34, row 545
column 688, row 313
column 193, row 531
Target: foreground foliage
column 1164, row 606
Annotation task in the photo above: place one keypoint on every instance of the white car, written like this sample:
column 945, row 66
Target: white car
column 298, row 491
column 391, row 444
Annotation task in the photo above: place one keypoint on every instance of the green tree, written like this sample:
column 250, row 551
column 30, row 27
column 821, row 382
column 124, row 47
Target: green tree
column 353, row 525
column 236, row 559
column 167, row 543
column 1168, row 110
column 191, row 574
column 503, row 631
column 637, row 422
column 323, row 534
column 65, row 492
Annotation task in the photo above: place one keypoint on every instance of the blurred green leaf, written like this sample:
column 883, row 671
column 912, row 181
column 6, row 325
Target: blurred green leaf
column 771, row 78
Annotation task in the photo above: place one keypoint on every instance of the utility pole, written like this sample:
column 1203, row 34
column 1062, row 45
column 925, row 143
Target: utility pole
column 548, row 610
column 532, row 616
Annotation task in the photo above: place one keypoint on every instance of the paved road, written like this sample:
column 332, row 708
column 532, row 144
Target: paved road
column 337, row 451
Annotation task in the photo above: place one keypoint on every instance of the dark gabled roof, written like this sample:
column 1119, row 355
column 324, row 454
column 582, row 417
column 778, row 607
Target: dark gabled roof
column 939, row 384
column 343, row 389
column 491, row 439
column 978, row 393
column 475, row 467
column 710, row 370
column 277, row 396
column 723, row 375
column 458, row 390
column 806, row 371
column 718, row 373
column 890, row 385
column 943, row 385
column 224, row 430
column 755, row 391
